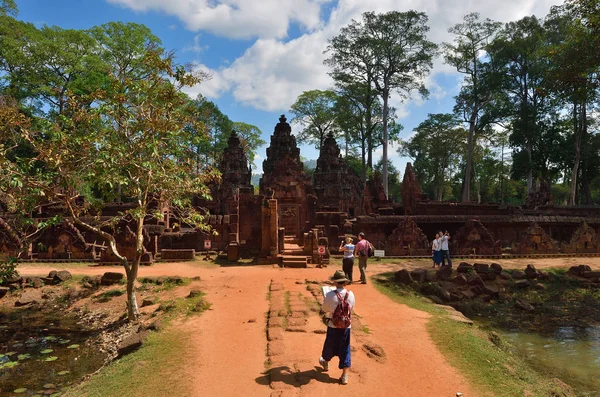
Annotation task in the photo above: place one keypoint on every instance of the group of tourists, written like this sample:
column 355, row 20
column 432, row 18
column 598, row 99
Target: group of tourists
column 439, row 249
column 339, row 303
column 351, row 251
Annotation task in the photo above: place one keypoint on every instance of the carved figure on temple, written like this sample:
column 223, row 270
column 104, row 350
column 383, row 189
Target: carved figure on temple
column 535, row 240
column 474, row 239
column 407, row 239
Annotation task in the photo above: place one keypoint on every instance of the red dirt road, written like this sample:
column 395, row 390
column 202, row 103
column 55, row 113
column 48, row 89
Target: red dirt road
column 230, row 344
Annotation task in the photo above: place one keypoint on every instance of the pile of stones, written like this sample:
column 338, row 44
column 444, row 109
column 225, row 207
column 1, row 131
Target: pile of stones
column 469, row 281
column 16, row 283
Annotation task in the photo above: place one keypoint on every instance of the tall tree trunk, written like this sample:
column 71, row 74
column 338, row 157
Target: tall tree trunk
column 133, row 312
column 502, row 175
column 363, row 175
column 386, row 111
column 586, row 193
column 347, row 143
column 466, row 190
column 530, row 168
column 370, row 152
column 577, row 131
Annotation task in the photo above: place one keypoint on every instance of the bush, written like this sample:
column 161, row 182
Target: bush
column 8, row 269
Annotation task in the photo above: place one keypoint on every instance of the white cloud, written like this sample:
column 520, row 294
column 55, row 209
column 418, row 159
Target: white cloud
column 213, row 87
column 272, row 72
column 237, row 18
column 196, row 46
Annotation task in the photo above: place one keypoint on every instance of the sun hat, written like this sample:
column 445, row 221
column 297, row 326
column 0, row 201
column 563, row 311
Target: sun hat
column 339, row 277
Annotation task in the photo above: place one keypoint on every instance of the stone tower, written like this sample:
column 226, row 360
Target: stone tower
column 337, row 187
column 411, row 190
column 235, row 171
column 284, row 179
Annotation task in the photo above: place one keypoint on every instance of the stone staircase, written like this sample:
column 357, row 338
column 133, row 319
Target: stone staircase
column 292, row 254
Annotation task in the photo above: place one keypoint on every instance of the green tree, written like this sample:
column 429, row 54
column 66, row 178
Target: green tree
column 395, row 182
column 8, row 7
column 314, row 110
column 389, row 52
column 133, row 137
column 527, row 105
column 574, row 73
column 436, row 152
column 472, row 37
column 249, row 137
column 208, row 143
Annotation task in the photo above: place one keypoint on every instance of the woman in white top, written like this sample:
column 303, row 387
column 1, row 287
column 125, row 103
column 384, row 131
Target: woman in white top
column 348, row 261
column 436, row 252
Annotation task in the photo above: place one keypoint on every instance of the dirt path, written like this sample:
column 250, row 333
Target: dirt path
column 232, row 354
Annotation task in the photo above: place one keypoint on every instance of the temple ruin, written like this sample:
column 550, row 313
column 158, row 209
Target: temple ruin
column 293, row 214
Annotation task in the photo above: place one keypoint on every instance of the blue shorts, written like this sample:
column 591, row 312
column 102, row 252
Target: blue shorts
column 337, row 343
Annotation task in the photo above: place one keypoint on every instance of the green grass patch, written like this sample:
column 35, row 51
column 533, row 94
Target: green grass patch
column 143, row 373
column 184, row 306
column 492, row 370
column 108, row 295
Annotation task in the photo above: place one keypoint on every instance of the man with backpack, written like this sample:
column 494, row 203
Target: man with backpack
column 363, row 250
column 340, row 302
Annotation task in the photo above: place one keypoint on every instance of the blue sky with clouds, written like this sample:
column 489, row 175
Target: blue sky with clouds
column 262, row 54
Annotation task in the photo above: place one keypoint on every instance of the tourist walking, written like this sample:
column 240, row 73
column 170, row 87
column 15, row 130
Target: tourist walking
column 444, row 248
column 361, row 251
column 436, row 250
column 348, row 260
column 339, row 303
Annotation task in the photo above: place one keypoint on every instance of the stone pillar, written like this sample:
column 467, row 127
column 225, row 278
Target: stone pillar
column 265, row 246
column 273, row 228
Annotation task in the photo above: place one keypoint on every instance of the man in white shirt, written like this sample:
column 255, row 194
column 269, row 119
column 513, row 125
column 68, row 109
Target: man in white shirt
column 445, row 251
column 337, row 341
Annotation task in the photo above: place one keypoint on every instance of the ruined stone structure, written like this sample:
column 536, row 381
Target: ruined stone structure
column 407, row 240
column 293, row 216
column 535, row 240
column 235, row 170
column 338, row 189
column 411, row 190
column 64, row 241
column 285, row 180
column 474, row 239
column 585, row 239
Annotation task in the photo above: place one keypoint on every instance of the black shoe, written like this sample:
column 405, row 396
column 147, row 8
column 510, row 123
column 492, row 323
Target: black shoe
column 363, row 282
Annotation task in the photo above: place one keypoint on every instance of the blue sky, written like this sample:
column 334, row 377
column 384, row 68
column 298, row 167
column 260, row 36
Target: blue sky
column 262, row 54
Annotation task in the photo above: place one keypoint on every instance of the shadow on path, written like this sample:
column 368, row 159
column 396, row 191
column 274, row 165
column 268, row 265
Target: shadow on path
column 289, row 376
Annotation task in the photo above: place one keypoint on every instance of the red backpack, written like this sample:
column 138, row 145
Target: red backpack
column 342, row 316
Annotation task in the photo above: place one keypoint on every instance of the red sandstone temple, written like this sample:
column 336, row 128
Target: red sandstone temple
column 293, row 214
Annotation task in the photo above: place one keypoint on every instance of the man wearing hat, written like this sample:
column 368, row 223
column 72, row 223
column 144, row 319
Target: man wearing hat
column 337, row 341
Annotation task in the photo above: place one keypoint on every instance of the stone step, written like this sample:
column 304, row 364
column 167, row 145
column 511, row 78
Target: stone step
column 291, row 240
column 295, row 264
column 294, row 261
column 292, row 252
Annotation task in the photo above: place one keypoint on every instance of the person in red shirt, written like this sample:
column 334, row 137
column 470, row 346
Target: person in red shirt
column 361, row 251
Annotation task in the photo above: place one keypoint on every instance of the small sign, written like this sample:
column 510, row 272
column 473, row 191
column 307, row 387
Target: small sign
column 206, row 244
column 379, row 253
column 321, row 250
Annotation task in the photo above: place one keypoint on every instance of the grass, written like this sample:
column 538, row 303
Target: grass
column 162, row 356
column 143, row 372
column 490, row 369
column 108, row 295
